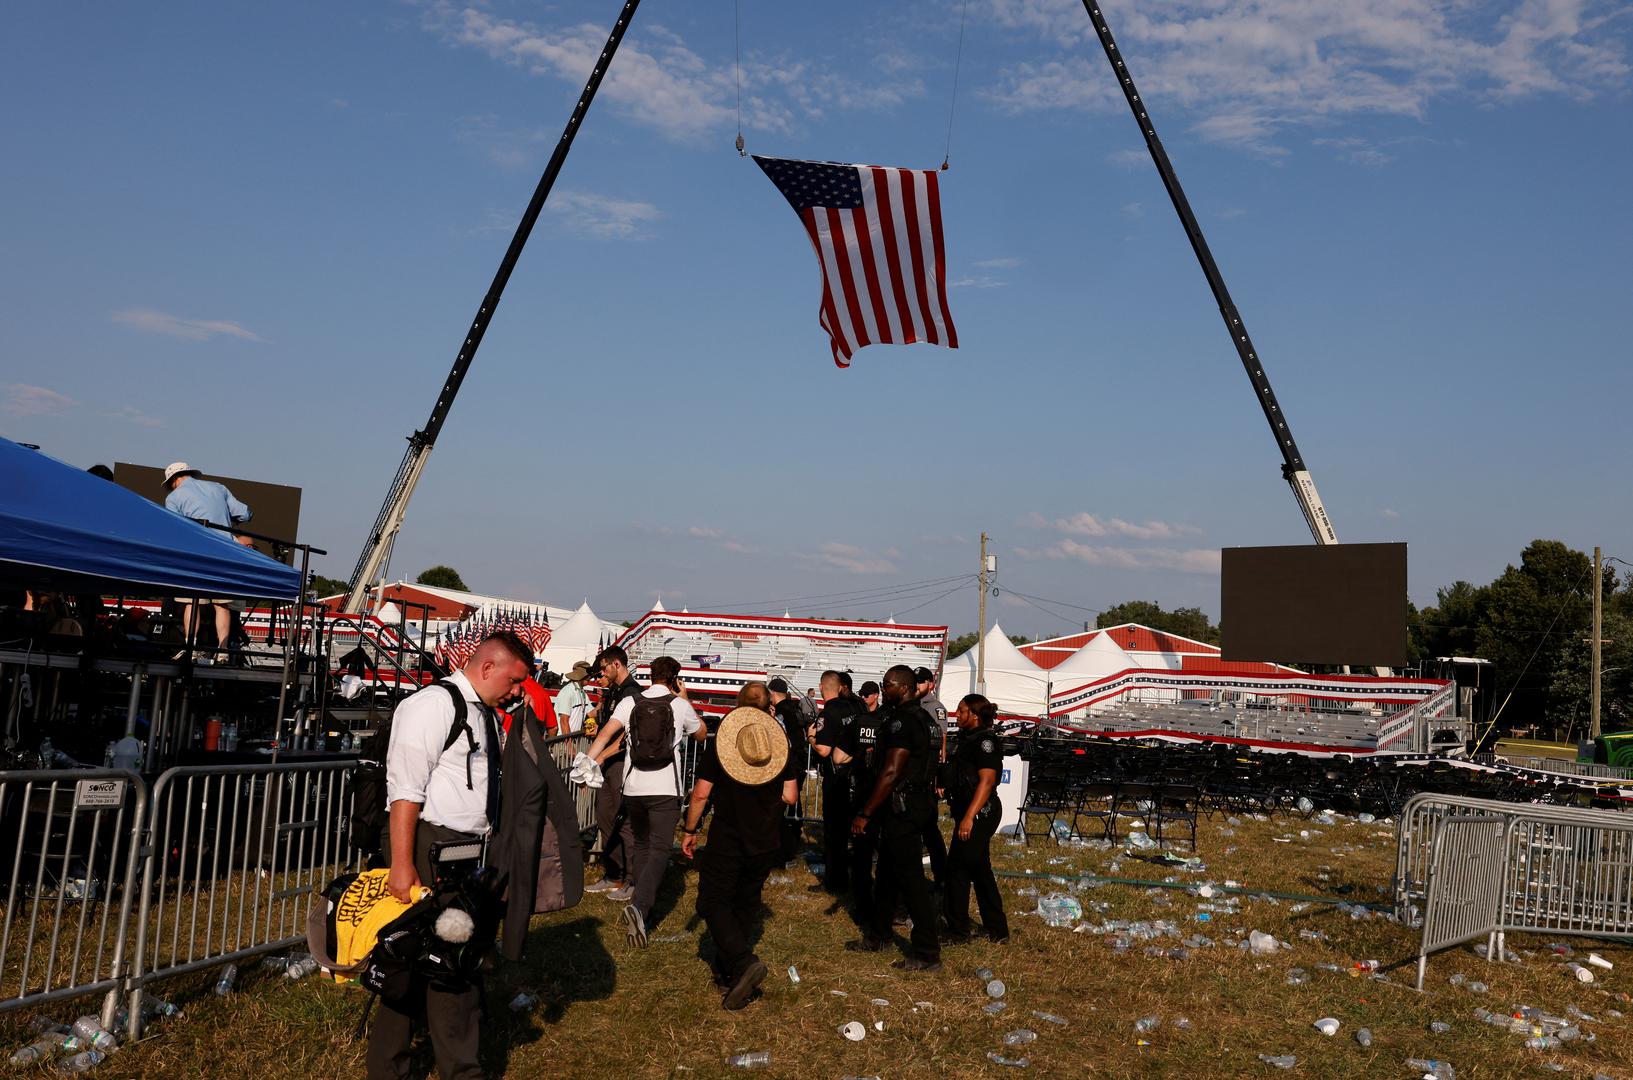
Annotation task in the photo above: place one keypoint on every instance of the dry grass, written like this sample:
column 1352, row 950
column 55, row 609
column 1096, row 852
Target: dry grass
column 611, row 1010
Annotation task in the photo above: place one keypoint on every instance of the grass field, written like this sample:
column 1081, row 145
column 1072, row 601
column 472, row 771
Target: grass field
column 609, row 1010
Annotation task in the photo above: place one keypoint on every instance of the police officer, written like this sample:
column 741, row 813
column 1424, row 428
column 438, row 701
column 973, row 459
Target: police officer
column 836, row 744
column 972, row 787
column 934, row 842
column 903, row 801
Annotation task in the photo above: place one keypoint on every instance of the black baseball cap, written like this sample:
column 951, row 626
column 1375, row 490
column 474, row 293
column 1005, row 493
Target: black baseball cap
column 923, row 674
column 869, row 688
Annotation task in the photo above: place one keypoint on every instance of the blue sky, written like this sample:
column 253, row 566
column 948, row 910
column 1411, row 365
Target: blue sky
column 251, row 237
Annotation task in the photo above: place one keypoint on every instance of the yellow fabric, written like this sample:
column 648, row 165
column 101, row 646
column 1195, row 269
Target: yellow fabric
column 361, row 912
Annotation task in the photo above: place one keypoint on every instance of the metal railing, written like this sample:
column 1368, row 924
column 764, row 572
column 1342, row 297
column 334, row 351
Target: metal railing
column 236, row 854
column 1559, row 870
column 1559, row 766
column 67, row 900
column 1466, row 880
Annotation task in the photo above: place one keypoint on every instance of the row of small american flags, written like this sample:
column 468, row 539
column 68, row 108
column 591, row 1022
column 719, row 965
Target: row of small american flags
column 458, row 642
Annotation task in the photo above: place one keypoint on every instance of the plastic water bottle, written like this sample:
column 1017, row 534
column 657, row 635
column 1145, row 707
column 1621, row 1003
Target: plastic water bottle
column 299, row 969
column 793, row 973
column 1051, row 1018
column 33, row 1052
column 1280, row 1061
column 1439, row 1027
column 91, row 1030
column 1146, row 1024
column 1013, row 1063
column 1020, row 1037
column 1058, row 909
column 1440, row 1070
column 81, row 1062
column 1541, row 1042
column 984, row 974
column 229, row 977
column 756, row 1059
column 1364, row 1037
column 523, row 1002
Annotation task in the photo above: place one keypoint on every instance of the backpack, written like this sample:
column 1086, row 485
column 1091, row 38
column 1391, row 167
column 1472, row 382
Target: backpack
column 369, row 812
column 652, row 733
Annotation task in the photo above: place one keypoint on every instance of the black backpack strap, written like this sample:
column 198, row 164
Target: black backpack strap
column 460, row 726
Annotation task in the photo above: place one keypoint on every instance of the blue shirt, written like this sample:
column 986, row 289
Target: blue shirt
column 206, row 500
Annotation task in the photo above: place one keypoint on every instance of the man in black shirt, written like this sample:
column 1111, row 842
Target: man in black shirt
column 836, row 744
column 747, row 773
column 792, row 718
column 903, row 799
column 934, row 842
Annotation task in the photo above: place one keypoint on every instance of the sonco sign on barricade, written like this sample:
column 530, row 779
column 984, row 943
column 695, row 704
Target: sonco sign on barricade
column 66, row 883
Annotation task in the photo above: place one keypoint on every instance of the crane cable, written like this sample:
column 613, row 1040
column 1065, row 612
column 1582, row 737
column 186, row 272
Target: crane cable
column 737, row 68
column 952, row 104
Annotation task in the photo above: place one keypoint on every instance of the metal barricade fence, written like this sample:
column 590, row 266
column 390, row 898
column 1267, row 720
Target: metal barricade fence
column 236, row 854
column 1570, row 877
column 67, row 897
column 1422, row 816
column 1466, row 880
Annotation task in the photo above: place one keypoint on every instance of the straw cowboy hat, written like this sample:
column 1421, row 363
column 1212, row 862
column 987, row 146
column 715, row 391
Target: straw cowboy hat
column 751, row 746
column 580, row 672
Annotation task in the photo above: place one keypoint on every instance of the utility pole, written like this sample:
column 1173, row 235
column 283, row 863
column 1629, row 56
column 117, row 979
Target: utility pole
column 1598, row 617
column 981, row 638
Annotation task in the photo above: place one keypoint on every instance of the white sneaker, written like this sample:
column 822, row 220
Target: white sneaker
column 623, row 895
column 603, row 885
column 634, row 927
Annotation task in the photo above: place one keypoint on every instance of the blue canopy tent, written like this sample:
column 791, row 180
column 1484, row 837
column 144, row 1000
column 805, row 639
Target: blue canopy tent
column 64, row 529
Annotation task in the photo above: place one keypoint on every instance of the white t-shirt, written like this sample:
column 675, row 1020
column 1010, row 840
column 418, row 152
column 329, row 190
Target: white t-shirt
column 572, row 705
column 658, row 781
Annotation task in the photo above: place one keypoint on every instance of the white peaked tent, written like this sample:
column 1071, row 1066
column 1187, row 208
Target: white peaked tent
column 579, row 638
column 1096, row 660
column 1014, row 683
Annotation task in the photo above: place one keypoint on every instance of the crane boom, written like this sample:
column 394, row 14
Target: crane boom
column 1293, row 469
column 392, row 512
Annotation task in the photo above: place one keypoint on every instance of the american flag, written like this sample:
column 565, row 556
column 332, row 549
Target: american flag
column 877, row 234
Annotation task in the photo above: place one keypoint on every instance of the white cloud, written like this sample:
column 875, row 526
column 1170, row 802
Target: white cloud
column 130, row 414
column 1134, row 210
column 1389, row 513
column 847, row 559
column 658, row 81
column 1129, row 159
column 159, row 322
column 1187, row 561
column 1356, row 151
column 1244, row 70
column 704, row 532
column 737, row 547
column 1033, row 520
column 602, row 216
column 1086, row 524
column 1007, row 262
column 25, row 400
column 980, row 281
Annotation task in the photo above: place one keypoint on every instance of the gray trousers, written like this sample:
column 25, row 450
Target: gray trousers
column 653, row 818
column 453, row 1020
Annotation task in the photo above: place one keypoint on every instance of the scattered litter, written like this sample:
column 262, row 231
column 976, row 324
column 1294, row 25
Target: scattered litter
column 1431, row 1067
column 793, row 973
column 878, row 1025
column 753, row 1060
column 1583, row 975
column 1364, row 1037
column 1140, row 842
column 853, row 1031
column 81, row 1062
column 523, row 1001
column 1059, row 909
column 1297, row 977
column 1280, row 1061
column 1261, row 944
column 993, row 1008
column 1051, row 1018
column 1183, row 1023
column 917, row 1005
column 878, row 1001
column 1013, row 1063
column 229, row 978
column 1439, row 1027
column 995, row 988
column 668, row 939
column 1147, row 1024
column 1599, row 962
column 1327, row 1025
column 89, row 1029
column 838, row 993
column 1020, row 1037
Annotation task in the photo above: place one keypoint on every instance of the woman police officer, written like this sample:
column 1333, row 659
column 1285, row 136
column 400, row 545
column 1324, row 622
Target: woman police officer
column 973, row 768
